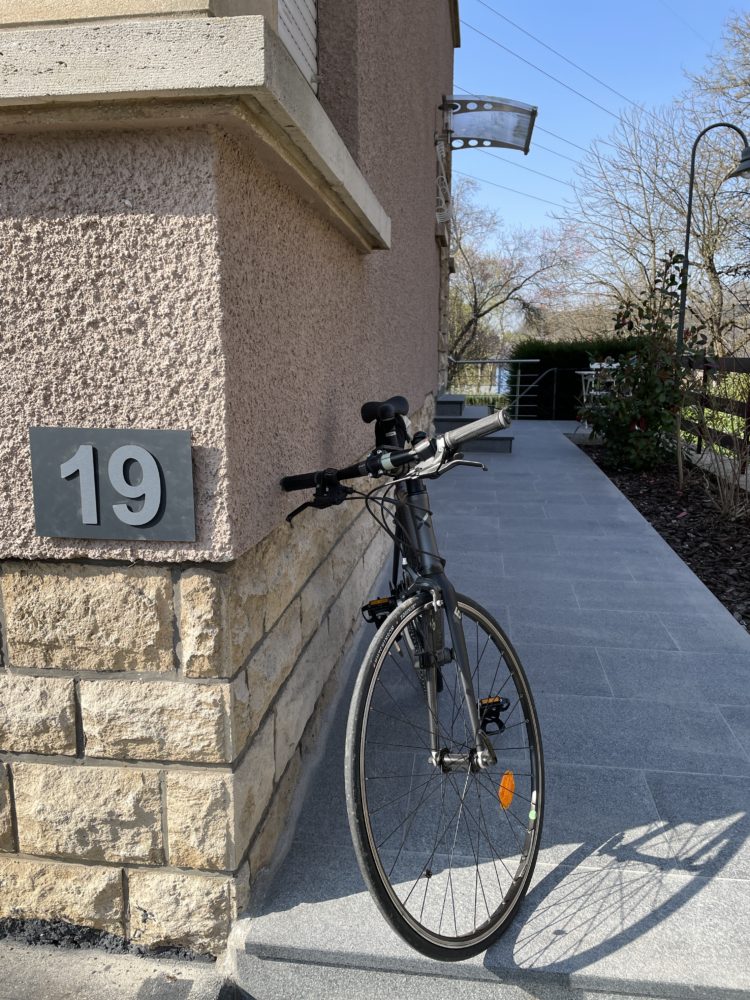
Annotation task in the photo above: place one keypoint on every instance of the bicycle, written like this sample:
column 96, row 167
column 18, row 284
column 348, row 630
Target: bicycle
column 444, row 766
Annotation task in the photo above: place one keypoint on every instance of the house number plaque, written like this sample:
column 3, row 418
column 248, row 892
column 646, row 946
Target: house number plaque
column 125, row 484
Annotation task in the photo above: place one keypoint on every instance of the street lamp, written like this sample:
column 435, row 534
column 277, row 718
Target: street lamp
column 742, row 168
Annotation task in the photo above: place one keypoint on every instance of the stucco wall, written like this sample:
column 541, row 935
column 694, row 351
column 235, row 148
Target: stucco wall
column 313, row 330
column 171, row 279
column 110, row 310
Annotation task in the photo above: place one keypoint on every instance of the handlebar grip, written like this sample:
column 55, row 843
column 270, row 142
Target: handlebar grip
column 307, row 481
column 476, row 429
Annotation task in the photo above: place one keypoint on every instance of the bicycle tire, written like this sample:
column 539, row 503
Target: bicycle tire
column 388, row 768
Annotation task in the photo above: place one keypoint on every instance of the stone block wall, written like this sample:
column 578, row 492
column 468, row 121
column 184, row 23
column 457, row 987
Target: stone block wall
column 155, row 720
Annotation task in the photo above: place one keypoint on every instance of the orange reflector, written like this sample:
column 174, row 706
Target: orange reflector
column 506, row 790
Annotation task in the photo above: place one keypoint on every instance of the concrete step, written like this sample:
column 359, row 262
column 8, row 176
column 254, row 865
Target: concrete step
column 449, row 405
column 285, row 980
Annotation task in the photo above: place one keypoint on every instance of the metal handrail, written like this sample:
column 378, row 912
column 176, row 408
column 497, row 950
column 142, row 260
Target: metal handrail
column 517, row 393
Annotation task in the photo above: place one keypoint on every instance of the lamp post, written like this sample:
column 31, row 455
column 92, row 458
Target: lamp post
column 743, row 167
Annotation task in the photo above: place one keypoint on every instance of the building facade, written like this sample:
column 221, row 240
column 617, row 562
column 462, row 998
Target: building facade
column 216, row 217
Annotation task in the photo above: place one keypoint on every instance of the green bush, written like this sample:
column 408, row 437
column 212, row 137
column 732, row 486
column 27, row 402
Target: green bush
column 637, row 416
column 496, row 400
column 558, row 394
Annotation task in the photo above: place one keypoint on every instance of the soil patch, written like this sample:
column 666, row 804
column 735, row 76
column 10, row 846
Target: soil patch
column 717, row 550
column 61, row 934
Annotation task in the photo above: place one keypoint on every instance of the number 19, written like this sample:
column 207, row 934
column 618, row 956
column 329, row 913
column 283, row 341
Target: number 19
column 120, row 470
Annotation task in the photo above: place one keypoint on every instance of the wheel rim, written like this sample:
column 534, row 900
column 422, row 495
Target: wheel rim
column 453, row 848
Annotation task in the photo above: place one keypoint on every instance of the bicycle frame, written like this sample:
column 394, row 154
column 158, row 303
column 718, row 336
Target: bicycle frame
column 416, row 542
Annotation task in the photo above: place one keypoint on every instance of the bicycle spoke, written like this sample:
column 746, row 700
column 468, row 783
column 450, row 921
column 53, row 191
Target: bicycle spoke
column 411, row 725
column 477, row 876
column 432, row 854
column 486, row 835
column 406, row 818
column 419, row 690
column 398, row 798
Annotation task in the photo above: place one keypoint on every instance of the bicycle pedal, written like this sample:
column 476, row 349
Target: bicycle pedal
column 376, row 611
column 489, row 713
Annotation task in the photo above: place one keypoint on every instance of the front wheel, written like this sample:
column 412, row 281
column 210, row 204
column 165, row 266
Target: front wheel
column 446, row 844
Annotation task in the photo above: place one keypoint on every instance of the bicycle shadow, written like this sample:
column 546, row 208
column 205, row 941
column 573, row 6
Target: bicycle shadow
column 575, row 916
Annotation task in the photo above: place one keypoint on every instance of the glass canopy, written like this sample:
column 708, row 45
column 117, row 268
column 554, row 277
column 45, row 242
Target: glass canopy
column 475, row 121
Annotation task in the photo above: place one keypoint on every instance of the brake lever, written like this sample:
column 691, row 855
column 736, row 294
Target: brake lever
column 298, row 510
column 325, row 496
column 456, row 462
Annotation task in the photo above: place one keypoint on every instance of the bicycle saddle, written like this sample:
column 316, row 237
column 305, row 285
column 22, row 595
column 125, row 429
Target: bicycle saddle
column 389, row 408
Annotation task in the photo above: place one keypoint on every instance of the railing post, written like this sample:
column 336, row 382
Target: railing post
column 518, row 392
column 702, row 410
column 554, row 394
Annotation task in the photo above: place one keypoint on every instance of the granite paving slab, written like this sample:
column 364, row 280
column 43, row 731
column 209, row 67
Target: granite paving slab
column 640, row 629
column 301, row 981
column 642, row 596
column 569, row 670
column 692, row 678
column 570, row 566
column 707, row 632
column 607, row 929
column 639, row 734
column 706, row 822
column 629, row 833
column 738, row 720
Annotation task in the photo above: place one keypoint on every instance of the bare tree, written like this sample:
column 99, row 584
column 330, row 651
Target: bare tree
column 622, row 211
column 630, row 209
column 570, row 317
column 499, row 275
column 725, row 85
column 723, row 94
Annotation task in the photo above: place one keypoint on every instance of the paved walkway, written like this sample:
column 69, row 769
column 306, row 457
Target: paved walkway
column 642, row 681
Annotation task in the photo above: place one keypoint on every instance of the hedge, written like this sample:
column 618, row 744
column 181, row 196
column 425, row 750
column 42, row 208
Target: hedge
column 561, row 401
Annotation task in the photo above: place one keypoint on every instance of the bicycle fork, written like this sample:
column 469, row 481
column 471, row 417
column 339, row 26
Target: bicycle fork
column 482, row 754
column 420, row 537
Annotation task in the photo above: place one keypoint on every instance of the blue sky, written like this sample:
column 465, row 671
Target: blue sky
column 640, row 48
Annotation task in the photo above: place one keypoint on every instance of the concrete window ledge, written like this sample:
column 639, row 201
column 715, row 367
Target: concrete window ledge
column 232, row 70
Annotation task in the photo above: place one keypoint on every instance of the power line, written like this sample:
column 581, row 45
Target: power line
column 522, row 166
column 559, row 54
column 560, row 137
column 540, row 70
column 547, row 149
column 504, row 188
column 687, row 24
column 604, row 142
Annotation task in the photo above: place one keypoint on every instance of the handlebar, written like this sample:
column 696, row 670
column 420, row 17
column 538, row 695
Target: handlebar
column 380, row 463
column 497, row 421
